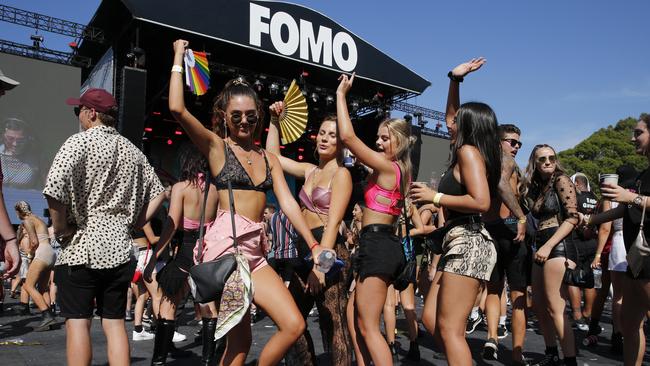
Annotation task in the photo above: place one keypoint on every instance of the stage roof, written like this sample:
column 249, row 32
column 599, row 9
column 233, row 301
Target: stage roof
column 269, row 37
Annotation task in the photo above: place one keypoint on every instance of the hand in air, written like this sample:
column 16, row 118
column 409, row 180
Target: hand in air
column 276, row 109
column 470, row 66
column 180, row 45
column 345, row 84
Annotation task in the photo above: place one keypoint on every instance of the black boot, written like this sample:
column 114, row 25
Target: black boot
column 209, row 343
column 164, row 335
column 47, row 322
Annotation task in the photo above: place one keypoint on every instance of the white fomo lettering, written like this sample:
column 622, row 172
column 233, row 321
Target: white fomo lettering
column 319, row 47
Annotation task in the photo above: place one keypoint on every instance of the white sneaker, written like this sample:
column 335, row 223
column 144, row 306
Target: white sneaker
column 143, row 336
column 178, row 337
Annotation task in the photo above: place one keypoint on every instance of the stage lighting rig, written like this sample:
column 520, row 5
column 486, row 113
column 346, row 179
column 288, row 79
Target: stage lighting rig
column 274, row 88
column 37, row 39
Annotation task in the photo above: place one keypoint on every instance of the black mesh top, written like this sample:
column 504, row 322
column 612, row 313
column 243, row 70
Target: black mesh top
column 233, row 170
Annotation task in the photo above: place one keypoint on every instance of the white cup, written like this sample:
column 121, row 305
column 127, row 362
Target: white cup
column 608, row 179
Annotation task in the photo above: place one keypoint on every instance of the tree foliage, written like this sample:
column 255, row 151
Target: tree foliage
column 604, row 151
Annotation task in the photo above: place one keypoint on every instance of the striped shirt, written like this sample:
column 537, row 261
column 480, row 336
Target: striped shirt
column 283, row 236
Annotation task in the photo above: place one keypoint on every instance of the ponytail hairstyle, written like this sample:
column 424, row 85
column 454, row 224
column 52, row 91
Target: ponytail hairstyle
column 477, row 126
column 236, row 87
column 23, row 209
column 193, row 163
column 401, row 129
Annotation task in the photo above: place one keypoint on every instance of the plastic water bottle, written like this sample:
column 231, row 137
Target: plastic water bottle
column 590, row 340
column 597, row 278
column 326, row 260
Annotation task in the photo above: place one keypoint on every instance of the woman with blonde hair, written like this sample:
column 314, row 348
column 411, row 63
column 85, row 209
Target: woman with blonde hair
column 380, row 256
column 235, row 161
column 38, row 275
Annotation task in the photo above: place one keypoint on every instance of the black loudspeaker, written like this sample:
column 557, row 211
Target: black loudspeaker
column 416, row 150
column 132, row 104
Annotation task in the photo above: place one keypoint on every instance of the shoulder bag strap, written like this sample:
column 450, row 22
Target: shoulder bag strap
column 208, row 179
column 404, row 215
column 232, row 204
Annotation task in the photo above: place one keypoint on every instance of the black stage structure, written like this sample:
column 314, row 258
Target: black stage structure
column 267, row 42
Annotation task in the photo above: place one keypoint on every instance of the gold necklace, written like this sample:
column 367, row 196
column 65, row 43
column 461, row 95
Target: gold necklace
column 249, row 161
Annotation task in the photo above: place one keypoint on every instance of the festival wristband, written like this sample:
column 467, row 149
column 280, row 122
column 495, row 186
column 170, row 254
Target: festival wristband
column 177, row 68
column 313, row 245
column 522, row 220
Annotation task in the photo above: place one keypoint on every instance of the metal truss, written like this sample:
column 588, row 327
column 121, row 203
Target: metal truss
column 417, row 110
column 45, row 54
column 50, row 24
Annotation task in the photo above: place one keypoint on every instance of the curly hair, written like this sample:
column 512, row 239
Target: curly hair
column 23, row 208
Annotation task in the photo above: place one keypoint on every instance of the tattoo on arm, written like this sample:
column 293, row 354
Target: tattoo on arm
column 506, row 193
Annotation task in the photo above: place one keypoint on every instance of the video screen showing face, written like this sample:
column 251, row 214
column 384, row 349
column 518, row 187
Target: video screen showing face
column 34, row 123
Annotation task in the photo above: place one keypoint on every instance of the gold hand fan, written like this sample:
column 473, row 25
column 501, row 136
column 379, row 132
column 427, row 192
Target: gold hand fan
column 293, row 120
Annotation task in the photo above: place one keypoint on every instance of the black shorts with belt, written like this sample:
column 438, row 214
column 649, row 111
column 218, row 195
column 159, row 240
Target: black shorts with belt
column 380, row 252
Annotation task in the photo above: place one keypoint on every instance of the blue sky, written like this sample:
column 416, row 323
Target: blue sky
column 558, row 69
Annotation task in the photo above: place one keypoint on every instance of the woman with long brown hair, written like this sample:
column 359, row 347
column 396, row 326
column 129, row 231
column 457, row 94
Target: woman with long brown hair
column 552, row 200
column 465, row 192
column 324, row 197
column 252, row 172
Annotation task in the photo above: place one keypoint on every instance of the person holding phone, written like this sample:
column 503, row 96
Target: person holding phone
column 324, row 197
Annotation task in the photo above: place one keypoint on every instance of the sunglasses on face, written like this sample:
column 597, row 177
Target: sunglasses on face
column 551, row 159
column 513, row 143
column 237, row 118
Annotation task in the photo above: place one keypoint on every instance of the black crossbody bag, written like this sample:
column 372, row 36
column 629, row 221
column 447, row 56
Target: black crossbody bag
column 210, row 277
column 407, row 274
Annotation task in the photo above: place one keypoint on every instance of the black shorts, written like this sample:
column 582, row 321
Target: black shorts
column 513, row 259
column 564, row 249
column 380, row 252
column 79, row 288
column 285, row 267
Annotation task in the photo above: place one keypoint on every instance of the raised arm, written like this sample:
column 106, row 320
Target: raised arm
column 298, row 170
column 453, row 95
column 203, row 138
column 366, row 155
column 341, row 193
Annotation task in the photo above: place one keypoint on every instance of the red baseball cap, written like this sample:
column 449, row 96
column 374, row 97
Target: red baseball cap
column 99, row 99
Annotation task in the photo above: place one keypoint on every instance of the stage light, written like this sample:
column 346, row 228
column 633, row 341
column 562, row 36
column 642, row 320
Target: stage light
column 378, row 97
column 169, row 141
column 355, row 106
column 148, row 129
column 177, row 132
column 301, row 149
column 258, row 85
column 314, row 97
column 36, row 40
column 285, row 89
column 329, row 100
column 274, row 88
column 313, row 137
column 73, row 45
column 300, row 157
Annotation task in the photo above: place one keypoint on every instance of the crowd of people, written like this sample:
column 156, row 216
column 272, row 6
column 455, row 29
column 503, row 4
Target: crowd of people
column 487, row 234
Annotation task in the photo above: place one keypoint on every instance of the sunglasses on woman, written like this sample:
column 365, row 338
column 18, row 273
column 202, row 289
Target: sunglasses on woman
column 550, row 158
column 237, row 118
column 513, row 143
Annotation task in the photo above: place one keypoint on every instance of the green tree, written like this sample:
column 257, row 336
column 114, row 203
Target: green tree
column 603, row 152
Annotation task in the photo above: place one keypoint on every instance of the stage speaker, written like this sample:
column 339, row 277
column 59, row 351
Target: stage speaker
column 133, row 95
column 416, row 151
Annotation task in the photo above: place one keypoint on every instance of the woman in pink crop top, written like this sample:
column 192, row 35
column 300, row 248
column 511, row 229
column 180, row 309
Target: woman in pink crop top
column 185, row 208
column 380, row 255
column 325, row 196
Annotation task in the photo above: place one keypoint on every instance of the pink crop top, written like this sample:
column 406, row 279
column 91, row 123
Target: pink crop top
column 191, row 224
column 319, row 200
column 373, row 190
